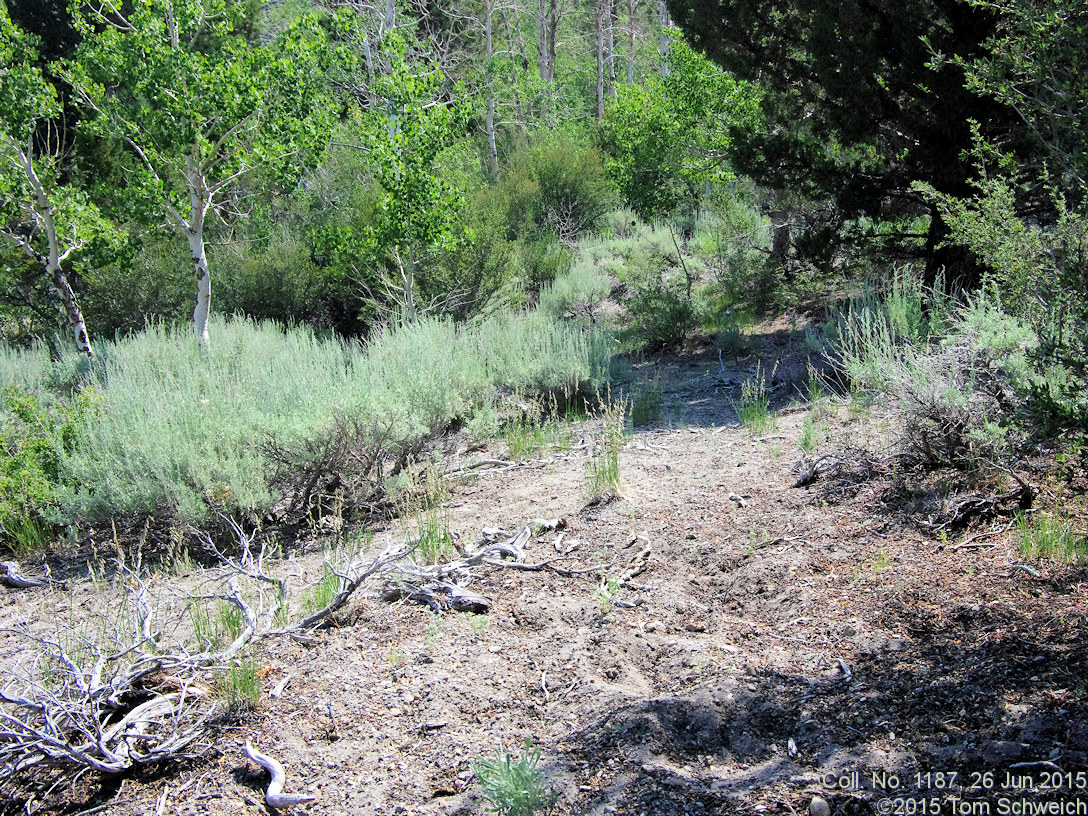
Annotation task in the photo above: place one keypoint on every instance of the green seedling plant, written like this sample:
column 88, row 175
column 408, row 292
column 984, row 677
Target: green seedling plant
column 432, row 631
column 606, row 594
column 515, row 787
column 477, row 622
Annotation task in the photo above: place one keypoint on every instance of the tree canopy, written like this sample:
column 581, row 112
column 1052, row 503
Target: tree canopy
column 199, row 106
column 854, row 105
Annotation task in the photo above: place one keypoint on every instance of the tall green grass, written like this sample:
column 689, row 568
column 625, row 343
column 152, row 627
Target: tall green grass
column 187, row 430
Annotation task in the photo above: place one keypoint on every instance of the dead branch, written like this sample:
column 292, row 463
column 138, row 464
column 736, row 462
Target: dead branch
column 126, row 698
column 11, row 577
column 274, row 796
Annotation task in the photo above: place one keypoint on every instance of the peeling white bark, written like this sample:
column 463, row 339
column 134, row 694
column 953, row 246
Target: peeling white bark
column 52, row 260
column 194, row 231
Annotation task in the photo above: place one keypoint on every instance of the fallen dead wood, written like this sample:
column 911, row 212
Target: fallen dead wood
column 443, row 586
column 971, row 507
column 274, row 796
column 124, row 697
column 131, row 698
column 12, row 578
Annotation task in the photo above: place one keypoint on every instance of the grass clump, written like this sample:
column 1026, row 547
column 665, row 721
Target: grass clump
column 752, row 407
column 646, row 403
column 515, row 787
column 809, row 437
column 603, row 467
column 240, row 687
column 323, row 593
column 525, row 438
column 1050, row 537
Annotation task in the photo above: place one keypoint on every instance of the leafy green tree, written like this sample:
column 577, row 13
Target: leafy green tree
column 668, row 138
column 199, row 106
column 1035, row 63
column 45, row 218
column 408, row 125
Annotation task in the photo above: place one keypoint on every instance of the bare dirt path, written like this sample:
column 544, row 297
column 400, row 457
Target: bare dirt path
column 778, row 640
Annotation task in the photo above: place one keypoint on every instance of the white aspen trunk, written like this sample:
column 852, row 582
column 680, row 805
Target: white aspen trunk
column 662, row 40
column 52, row 261
column 611, row 47
column 542, row 39
column 489, row 121
column 71, row 308
column 194, row 232
column 631, row 41
column 489, row 126
column 599, row 12
column 388, row 19
column 408, row 278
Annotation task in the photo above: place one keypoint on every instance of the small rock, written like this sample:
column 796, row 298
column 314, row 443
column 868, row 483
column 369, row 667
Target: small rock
column 791, row 747
column 654, row 626
column 819, row 807
column 395, row 712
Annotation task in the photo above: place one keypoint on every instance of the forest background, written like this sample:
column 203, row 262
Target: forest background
column 387, row 183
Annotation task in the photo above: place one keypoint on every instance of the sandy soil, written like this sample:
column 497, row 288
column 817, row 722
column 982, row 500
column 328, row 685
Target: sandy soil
column 779, row 640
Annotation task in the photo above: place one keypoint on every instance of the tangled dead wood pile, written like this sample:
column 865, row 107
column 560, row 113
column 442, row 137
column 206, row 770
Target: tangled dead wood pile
column 125, row 696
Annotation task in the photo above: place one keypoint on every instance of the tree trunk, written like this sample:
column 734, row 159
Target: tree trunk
column 662, row 38
column 610, row 44
column 52, row 261
column 631, row 41
column 599, row 12
column 489, row 126
column 408, row 280
column 489, row 122
column 194, row 232
column 542, row 39
column 388, row 19
column 553, row 28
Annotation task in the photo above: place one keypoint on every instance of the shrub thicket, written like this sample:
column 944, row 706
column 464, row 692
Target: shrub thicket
column 958, row 373
column 264, row 413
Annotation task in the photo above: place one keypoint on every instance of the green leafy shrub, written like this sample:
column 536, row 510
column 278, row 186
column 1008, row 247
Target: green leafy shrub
column 558, row 186
column 660, row 308
column 32, row 439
